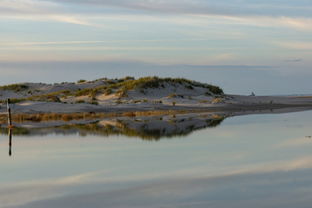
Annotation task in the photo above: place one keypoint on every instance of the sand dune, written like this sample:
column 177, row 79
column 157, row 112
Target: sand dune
column 128, row 94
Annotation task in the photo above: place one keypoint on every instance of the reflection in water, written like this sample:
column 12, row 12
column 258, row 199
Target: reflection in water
column 10, row 131
column 146, row 128
column 248, row 161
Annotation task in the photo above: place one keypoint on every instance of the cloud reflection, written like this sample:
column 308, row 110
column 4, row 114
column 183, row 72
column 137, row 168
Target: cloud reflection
column 285, row 185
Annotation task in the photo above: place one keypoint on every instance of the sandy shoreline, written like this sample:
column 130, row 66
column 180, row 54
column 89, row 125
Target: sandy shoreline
column 136, row 95
column 236, row 103
column 148, row 121
column 146, row 126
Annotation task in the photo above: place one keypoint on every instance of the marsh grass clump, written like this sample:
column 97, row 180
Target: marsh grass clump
column 94, row 102
column 84, row 92
column 81, row 81
column 156, row 82
column 80, row 101
column 15, row 87
column 215, row 90
column 118, row 101
column 108, row 91
column 129, row 114
column 217, row 100
column 173, row 95
column 190, row 87
column 16, row 100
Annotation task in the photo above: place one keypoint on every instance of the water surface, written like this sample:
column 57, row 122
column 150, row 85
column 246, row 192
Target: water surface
column 243, row 161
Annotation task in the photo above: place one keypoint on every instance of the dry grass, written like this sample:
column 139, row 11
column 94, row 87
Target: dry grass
column 217, row 100
column 41, row 117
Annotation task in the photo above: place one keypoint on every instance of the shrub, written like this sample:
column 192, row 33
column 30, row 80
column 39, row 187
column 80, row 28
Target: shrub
column 215, row 90
column 81, row 81
column 208, row 93
column 173, row 95
column 129, row 114
column 94, row 102
column 53, row 98
column 80, row 101
column 16, row 100
column 67, row 117
column 118, row 102
column 217, row 100
column 14, row 87
column 189, row 87
column 108, row 91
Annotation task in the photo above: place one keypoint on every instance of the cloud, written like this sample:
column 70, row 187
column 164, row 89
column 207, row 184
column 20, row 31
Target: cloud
column 295, row 45
column 226, row 7
column 293, row 60
column 72, row 11
column 242, row 184
column 296, row 142
column 186, row 12
column 39, row 11
column 24, row 192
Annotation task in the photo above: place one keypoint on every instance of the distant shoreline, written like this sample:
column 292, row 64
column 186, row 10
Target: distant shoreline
column 128, row 95
column 30, row 114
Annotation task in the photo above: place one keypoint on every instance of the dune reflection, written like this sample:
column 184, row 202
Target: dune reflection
column 10, row 133
column 146, row 128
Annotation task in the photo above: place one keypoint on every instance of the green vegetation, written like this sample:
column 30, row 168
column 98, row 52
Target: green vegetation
column 16, row 100
column 124, row 85
column 81, row 81
column 120, row 87
column 15, row 87
column 217, row 100
column 80, row 101
column 93, row 102
column 173, row 95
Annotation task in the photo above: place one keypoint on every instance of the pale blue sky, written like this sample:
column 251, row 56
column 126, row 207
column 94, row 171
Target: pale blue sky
column 157, row 37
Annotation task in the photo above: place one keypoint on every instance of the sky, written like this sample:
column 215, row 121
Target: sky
column 242, row 45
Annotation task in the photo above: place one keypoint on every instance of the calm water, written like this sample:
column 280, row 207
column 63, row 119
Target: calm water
column 246, row 161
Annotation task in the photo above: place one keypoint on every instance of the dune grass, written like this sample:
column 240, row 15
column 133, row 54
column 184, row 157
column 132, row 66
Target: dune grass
column 117, row 86
column 39, row 117
column 14, row 87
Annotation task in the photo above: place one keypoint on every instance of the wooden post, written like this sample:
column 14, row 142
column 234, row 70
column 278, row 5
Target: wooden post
column 9, row 114
column 10, row 126
column 10, row 141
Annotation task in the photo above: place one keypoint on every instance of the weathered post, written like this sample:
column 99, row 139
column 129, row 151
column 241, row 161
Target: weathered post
column 9, row 114
column 10, row 126
column 10, row 141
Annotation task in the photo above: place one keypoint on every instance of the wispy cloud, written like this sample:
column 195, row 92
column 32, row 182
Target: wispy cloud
column 74, row 11
column 186, row 182
column 296, row 45
column 293, row 60
column 226, row 7
column 39, row 11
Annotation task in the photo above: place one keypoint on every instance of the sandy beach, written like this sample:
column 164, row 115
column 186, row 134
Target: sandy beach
column 234, row 103
column 136, row 95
